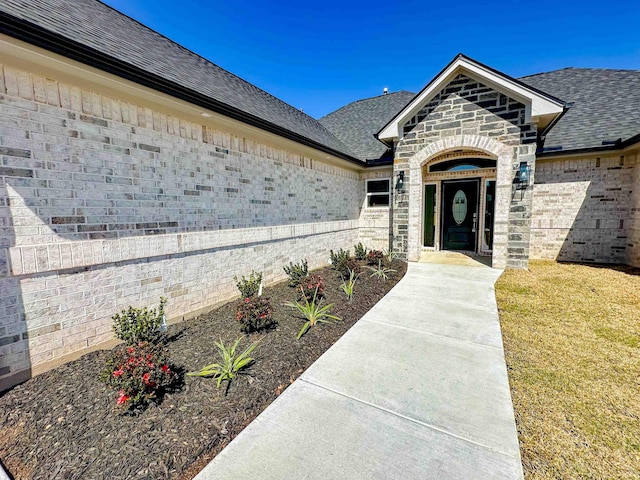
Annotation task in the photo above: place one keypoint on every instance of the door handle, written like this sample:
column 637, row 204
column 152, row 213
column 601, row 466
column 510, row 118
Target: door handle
column 475, row 222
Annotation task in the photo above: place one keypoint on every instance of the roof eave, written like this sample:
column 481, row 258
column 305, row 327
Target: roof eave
column 26, row 31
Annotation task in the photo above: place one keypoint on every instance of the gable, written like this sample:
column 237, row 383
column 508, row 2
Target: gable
column 467, row 106
column 539, row 107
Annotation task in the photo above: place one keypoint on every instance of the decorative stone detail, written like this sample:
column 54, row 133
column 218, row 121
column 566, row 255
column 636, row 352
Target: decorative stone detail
column 469, row 116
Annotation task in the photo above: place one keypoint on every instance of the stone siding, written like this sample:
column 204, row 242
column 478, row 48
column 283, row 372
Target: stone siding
column 582, row 209
column 105, row 203
column 468, row 114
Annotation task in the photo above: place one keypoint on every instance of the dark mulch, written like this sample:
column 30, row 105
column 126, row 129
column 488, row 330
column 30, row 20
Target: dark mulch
column 62, row 424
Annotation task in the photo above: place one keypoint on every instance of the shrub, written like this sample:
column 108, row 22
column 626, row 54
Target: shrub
column 348, row 285
column 343, row 263
column 135, row 325
column 249, row 287
column 310, row 286
column 254, row 313
column 360, row 252
column 374, row 257
column 230, row 362
column 313, row 313
column 338, row 257
column 140, row 374
column 297, row 272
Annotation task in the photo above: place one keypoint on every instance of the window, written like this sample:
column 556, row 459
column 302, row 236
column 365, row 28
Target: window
column 379, row 192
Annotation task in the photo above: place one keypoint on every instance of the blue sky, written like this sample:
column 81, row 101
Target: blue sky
column 319, row 56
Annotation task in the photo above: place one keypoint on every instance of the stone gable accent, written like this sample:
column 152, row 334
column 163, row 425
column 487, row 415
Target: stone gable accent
column 468, row 115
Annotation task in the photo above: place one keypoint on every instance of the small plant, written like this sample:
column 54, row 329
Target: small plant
column 135, row 325
column 140, row 374
column 391, row 256
column 347, row 285
column 249, row 287
column 374, row 257
column 311, row 286
column 360, row 252
column 342, row 262
column 254, row 313
column 338, row 257
column 230, row 362
column 297, row 272
column 380, row 271
column 314, row 313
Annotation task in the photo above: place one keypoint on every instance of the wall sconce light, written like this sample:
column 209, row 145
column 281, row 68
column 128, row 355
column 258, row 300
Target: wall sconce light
column 522, row 179
column 524, row 175
column 400, row 181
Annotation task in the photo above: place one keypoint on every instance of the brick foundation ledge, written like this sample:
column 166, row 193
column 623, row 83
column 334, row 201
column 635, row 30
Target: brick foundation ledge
column 30, row 259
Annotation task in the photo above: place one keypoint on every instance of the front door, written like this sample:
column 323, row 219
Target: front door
column 459, row 214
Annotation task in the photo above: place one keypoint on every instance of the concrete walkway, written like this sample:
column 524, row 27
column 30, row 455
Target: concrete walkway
column 417, row 389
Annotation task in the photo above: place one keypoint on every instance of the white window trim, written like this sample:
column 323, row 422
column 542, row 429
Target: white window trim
column 367, row 194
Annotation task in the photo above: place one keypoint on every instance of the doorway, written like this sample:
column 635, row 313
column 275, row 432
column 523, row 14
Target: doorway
column 460, row 199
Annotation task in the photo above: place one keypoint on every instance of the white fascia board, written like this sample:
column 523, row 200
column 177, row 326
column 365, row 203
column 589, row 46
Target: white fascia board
column 536, row 105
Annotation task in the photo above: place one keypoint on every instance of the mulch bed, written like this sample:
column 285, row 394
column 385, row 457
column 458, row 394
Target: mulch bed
column 62, row 424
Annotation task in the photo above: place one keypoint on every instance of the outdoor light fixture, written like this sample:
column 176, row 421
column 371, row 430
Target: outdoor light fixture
column 522, row 179
column 400, row 181
column 524, row 175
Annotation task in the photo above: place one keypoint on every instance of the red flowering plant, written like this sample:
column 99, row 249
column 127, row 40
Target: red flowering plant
column 310, row 286
column 140, row 374
column 254, row 313
column 375, row 256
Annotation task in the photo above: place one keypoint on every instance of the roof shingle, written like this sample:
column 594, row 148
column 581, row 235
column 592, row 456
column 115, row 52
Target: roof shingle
column 93, row 24
column 356, row 123
column 606, row 105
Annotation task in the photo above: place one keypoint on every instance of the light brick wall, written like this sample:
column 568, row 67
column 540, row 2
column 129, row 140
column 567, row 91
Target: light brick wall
column 375, row 222
column 582, row 209
column 469, row 115
column 105, row 203
column 633, row 232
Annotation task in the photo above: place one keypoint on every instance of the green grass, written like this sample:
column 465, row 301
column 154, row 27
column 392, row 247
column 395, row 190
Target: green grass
column 572, row 343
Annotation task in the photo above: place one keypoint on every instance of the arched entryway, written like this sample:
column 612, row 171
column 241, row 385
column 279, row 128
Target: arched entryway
column 457, row 199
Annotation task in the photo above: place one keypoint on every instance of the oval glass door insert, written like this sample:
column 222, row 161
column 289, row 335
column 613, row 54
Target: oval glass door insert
column 459, row 207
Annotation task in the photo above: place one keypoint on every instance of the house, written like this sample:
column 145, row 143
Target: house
column 132, row 168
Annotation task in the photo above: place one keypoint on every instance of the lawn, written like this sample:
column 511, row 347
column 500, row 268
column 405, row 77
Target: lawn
column 572, row 343
column 64, row 423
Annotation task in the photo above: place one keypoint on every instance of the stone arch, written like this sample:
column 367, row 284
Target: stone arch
column 504, row 155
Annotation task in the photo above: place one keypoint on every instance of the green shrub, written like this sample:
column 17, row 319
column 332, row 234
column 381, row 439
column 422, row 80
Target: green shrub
column 343, row 263
column 338, row 257
column 360, row 252
column 230, row 362
column 249, row 287
column 297, row 272
column 140, row 374
column 254, row 313
column 135, row 325
column 313, row 313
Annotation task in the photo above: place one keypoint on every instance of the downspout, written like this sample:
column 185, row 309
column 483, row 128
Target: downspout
column 543, row 135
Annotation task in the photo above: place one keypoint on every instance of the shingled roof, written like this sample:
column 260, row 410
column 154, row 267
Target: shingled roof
column 96, row 34
column 606, row 105
column 356, row 123
column 605, row 108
